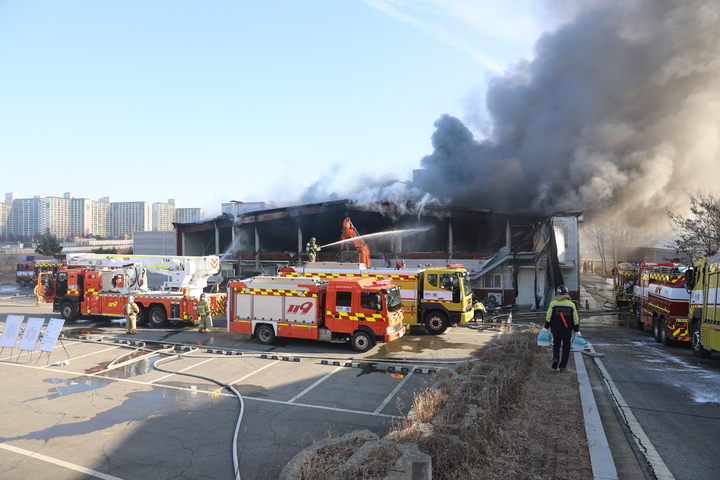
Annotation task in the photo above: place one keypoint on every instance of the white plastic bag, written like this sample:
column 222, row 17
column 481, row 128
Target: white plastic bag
column 578, row 343
column 543, row 339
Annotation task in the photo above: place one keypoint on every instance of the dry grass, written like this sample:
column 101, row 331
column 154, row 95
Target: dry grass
column 429, row 404
column 326, row 461
column 376, row 466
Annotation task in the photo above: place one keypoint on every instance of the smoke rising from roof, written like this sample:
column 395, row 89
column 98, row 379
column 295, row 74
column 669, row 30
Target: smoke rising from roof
column 407, row 198
column 618, row 114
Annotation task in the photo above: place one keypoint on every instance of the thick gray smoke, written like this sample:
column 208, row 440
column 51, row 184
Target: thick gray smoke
column 619, row 113
column 407, row 198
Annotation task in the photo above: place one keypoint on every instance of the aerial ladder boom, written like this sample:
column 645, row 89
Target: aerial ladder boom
column 191, row 273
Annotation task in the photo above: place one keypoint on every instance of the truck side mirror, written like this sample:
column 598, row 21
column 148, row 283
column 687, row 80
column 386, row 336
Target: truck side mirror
column 690, row 279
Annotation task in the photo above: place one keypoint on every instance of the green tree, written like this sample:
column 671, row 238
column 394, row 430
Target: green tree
column 48, row 245
column 699, row 231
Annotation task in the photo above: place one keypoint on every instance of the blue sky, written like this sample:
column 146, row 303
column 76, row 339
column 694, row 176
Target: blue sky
column 205, row 102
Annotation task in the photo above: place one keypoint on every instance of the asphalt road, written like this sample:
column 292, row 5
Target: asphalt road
column 674, row 396
column 109, row 414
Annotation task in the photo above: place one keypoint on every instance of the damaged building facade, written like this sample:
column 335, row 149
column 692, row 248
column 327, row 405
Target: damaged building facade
column 516, row 257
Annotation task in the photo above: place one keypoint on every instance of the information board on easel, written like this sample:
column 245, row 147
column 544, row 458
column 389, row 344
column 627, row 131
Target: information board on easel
column 52, row 332
column 11, row 331
column 30, row 335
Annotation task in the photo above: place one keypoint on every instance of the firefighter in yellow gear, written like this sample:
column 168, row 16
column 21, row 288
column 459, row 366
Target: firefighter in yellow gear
column 562, row 319
column 38, row 297
column 204, row 313
column 131, row 310
column 312, row 249
column 479, row 310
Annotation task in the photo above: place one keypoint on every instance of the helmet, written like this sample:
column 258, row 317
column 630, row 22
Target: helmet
column 561, row 290
column 202, row 295
column 131, row 298
column 312, row 239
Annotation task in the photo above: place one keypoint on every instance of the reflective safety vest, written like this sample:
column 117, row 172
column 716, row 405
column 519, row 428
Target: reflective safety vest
column 203, row 309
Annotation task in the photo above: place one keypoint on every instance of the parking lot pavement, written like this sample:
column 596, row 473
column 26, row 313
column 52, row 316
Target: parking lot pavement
column 110, row 414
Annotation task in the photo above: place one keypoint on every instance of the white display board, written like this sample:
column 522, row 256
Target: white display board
column 31, row 333
column 52, row 332
column 11, row 331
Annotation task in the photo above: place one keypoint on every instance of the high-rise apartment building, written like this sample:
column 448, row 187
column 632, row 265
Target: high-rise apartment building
column 57, row 216
column 4, row 217
column 99, row 212
column 189, row 215
column 124, row 218
column 163, row 215
column 27, row 217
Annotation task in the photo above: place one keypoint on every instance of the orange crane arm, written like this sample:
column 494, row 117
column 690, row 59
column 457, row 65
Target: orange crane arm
column 349, row 232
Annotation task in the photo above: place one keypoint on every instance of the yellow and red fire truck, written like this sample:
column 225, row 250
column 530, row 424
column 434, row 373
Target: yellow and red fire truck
column 703, row 282
column 434, row 297
column 661, row 301
column 361, row 311
column 98, row 284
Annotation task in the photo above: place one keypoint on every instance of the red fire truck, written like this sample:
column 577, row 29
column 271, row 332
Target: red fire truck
column 361, row 311
column 97, row 284
column 28, row 270
column 662, row 302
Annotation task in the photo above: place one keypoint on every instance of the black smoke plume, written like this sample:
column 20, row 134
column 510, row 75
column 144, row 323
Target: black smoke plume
column 618, row 113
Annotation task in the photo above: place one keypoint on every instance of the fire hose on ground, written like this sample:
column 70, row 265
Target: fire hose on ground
column 230, row 388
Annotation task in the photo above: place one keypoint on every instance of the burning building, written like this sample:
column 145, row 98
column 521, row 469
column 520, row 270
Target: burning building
column 516, row 257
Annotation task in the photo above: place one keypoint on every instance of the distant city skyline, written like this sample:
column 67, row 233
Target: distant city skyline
column 71, row 216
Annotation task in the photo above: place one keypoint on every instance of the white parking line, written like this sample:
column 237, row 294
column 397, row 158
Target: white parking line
column 61, row 463
column 314, row 385
column 256, row 371
column 392, row 394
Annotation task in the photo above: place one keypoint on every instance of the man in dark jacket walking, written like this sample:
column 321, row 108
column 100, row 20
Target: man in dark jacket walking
column 562, row 319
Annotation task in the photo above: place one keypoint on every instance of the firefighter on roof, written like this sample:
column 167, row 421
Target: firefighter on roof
column 131, row 310
column 312, row 248
column 562, row 319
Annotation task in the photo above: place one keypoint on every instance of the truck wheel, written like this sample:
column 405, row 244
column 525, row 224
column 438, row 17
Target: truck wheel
column 638, row 319
column 664, row 337
column 362, row 341
column 157, row 316
column 436, row 323
column 68, row 311
column 265, row 334
column 142, row 317
column 656, row 329
column 695, row 345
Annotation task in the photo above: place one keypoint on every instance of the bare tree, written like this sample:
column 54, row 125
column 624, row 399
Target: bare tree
column 699, row 231
column 612, row 241
column 598, row 238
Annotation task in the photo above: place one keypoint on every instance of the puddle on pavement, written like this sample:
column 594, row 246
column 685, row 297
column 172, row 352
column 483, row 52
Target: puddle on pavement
column 130, row 370
column 418, row 344
column 168, row 335
column 81, row 332
column 624, row 319
column 370, row 368
column 63, row 387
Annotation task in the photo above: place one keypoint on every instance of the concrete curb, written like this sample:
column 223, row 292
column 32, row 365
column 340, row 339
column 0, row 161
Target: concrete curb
column 601, row 459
